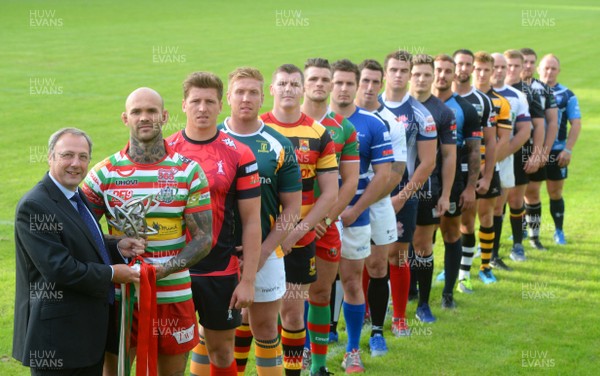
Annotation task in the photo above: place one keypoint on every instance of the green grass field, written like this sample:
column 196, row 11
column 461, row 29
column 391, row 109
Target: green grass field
column 73, row 64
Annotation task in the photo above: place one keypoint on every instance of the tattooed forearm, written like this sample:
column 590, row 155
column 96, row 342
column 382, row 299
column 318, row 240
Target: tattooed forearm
column 474, row 161
column 200, row 228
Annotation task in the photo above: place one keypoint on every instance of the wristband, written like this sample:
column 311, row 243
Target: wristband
column 568, row 151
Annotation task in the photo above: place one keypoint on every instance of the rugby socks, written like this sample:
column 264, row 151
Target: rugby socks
column 486, row 241
column 468, row 251
column 533, row 215
column 498, row 219
column 557, row 210
column 378, row 294
column 516, row 223
column 337, row 296
column 318, row 331
column 200, row 364
column 354, row 314
column 400, row 282
column 424, row 273
column 268, row 357
column 231, row 370
column 292, row 342
column 452, row 256
column 243, row 341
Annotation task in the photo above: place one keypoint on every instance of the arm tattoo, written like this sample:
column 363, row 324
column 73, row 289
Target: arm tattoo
column 200, row 227
column 398, row 167
column 474, row 161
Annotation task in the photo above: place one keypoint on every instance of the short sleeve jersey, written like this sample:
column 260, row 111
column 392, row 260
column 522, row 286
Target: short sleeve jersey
column 519, row 107
column 445, row 122
column 315, row 152
column 232, row 173
column 501, row 108
column 177, row 186
column 483, row 105
column 278, row 171
column 418, row 124
column 545, row 93
column 568, row 109
column 375, row 147
column 468, row 126
column 343, row 134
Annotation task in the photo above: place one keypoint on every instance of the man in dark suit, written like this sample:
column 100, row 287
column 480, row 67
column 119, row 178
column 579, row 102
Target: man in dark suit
column 65, row 277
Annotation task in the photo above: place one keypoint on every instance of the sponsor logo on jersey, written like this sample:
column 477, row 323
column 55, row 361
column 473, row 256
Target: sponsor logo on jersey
column 386, row 136
column 125, row 194
column 166, row 174
column 164, row 230
column 229, row 142
column 264, row 180
column 127, row 182
column 264, row 147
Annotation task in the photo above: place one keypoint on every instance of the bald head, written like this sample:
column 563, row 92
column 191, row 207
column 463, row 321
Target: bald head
column 499, row 70
column 144, row 93
column 145, row 115
column 549, row 69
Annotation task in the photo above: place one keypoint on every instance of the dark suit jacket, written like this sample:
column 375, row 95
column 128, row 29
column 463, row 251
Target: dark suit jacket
column 61, row 303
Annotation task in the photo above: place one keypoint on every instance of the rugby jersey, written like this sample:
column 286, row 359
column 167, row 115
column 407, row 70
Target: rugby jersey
column 343, row 135
column 468, row 127
column 418, row 124
column 568, row 109
column 179, row 187
column 315, row 152
column 501, row 108
column 232, row 173
column 445, row 123
column 375, row 147
column 278, row 171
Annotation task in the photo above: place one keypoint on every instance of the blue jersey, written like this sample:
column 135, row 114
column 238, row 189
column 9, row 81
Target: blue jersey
column 375, row 147
column 468, row 126
column 568, row 109
column 419, row 126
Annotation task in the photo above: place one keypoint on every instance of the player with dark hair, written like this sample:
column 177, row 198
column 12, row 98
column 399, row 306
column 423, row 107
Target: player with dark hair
column 232, row 172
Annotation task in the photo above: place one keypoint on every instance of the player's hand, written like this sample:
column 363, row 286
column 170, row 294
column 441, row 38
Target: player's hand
column 243, row 295
column 564, row 159
column 320, row 229
column 482, row 186
column 131, row 247
column 125, row 274
column 291, row 240
column 349, row 216
column 467, row 198
column 442, row 206
column 533, row 164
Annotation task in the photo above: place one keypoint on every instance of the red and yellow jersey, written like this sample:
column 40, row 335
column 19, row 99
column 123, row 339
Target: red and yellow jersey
column 232, row 173
column 315, row 152
column 177, row 186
